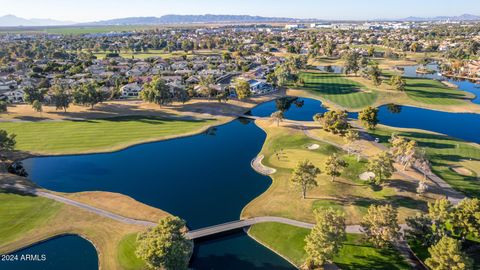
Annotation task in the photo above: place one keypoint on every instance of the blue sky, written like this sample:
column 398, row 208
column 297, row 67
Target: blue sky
column 90, row 10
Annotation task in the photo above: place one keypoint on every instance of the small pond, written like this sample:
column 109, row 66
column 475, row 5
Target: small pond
column 65, row 252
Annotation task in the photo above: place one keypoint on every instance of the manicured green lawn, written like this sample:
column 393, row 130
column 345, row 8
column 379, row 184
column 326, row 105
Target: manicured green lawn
column 443, row 152
column 355, row 254
column 62, row 137
column 433, row 92
column 338, row 89
column 126, row 254
column 20, row 214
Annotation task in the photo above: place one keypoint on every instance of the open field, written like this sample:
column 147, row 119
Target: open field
column 337, row 89
column 356, row 253
column 286, row 145
column 443, row 152
column 99, row 135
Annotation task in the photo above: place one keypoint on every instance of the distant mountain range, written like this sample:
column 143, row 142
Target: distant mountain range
column 184, row 19
column 464, row 17
column 12, row 21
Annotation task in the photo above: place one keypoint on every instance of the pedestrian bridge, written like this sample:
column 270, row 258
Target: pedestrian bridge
column 230, row 226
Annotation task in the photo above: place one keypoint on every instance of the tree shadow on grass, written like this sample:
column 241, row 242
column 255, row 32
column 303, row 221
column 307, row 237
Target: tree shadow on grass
column 374, row 262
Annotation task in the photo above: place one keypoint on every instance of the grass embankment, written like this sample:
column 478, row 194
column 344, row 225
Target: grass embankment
column 347, row 193
column 99, row 135
column 25, row 220
column 444, row 154
column 126, row 254
column 20, row 214
column 355, row 254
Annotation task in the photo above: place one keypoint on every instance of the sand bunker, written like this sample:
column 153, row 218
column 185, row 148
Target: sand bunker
column 313, row 146
column 462, row 171
column 366, row 176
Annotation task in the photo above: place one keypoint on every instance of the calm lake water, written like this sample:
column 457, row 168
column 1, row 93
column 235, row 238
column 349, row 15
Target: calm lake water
column 66, row 252
column 235, row 251
column 205, row 179
column 465, row 126
column 300, row 109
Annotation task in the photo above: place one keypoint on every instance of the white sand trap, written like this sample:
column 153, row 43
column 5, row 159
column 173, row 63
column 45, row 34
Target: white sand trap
column 366, row 176
column 313, row 146
column 462, row 171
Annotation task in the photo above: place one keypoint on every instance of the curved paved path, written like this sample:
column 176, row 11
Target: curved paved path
column 95, row 210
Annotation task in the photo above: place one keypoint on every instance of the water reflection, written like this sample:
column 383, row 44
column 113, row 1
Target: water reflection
column 235, row 251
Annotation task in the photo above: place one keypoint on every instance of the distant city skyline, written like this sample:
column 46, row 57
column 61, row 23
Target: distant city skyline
column 90, row 10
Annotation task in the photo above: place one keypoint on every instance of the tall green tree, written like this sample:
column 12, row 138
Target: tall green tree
column 440, row 213
column 334, row 166
column 304, row 175
column 165, row 245
column 369, row 117
column 335, row 122
column 420, row 230
column 277, row 117
column 61, row 98
column 32, row 94
column 242, row 88
column 3, row 106
column 382, row 166
column 88, row 94
column 350, row 138
column 7, row 141
column 374, row 73
column 351, row 62
column 397, row 82
column 380, row 225
column 465, row 219
column 156, row 91
column 326, row 238
column 447, row 254
column 37, row 106
column 404, row 151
